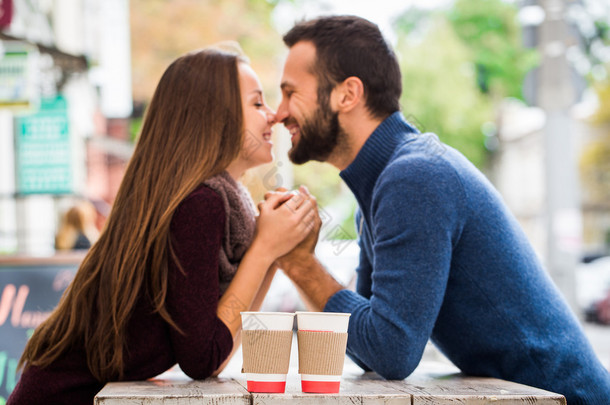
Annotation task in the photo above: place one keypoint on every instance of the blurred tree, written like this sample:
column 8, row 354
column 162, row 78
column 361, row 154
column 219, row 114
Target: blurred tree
column 440, row 92
column 592, row 60
column 332, row 195
column 457, row 66
column 595, row 170
column 592, row 20
column 602, row 90
column 162, row 30
column 490, row 29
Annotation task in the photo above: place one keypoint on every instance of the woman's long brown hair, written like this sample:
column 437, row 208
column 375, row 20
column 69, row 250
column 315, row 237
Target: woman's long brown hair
column 193, row 129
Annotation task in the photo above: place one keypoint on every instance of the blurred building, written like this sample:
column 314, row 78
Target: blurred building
column 65, row 100
column 519, row 173
column 518, row 167
column 544, row 166
column 594, row 168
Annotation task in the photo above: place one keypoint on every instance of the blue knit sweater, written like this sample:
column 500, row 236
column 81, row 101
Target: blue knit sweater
column 443, row 259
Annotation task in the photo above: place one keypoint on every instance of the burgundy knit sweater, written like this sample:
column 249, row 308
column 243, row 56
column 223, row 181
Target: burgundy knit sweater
column 152, row 346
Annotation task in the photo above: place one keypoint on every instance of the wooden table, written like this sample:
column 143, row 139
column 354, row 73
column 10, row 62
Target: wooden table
column 430, row 384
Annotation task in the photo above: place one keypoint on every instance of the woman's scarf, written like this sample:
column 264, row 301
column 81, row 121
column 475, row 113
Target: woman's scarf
column 239, row 224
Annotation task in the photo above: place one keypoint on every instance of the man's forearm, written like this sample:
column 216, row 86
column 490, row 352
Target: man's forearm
column 264, row 288
column 313, row 280
column 306, row 301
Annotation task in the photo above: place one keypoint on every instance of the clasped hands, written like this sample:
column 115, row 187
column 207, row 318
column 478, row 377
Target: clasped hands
column 294, row 199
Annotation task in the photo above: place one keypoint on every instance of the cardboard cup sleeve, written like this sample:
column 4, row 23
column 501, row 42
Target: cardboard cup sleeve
column 321, row 352
column 266, row 351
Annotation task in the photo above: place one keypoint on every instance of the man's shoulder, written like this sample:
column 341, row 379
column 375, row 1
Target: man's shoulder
column 419, row 171
column 422, row 158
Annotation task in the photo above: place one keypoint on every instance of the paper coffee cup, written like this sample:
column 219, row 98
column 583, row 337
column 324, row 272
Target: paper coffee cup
column 266, row 340
column 322, row 339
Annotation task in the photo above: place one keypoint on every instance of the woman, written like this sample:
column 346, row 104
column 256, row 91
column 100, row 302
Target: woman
column 77, row 230
column 150, row 294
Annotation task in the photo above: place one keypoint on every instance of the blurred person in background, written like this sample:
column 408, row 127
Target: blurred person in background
column 182, row 252
column 77, row 229
column 441, row 257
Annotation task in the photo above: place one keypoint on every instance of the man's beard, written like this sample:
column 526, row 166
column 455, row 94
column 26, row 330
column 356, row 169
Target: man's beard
column 318, row 136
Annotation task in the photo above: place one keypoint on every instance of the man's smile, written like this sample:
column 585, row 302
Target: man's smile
column 294, row 130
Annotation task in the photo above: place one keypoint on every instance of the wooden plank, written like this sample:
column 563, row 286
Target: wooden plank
column 451, row 389
column 354, row 391
column 214, row 391
column 428, row 385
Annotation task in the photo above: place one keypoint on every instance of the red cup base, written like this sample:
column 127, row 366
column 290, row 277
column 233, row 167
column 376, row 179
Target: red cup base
column 320, row 387
column 267, row 386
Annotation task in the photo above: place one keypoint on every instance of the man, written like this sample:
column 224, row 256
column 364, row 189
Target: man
column 441, row 256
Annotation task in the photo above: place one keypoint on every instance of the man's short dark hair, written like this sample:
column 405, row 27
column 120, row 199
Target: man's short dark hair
column 352, row 46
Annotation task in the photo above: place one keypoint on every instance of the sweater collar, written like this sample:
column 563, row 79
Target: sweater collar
column 361, row 175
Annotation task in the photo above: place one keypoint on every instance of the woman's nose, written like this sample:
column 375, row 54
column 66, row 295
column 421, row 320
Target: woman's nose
column 271, row 117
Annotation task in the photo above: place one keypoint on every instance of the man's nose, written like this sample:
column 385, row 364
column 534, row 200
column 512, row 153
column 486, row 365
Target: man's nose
column 282, row 111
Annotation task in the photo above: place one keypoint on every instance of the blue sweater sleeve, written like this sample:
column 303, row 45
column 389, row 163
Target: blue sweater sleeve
column 414, row 226
column 363, row 272
column 364, row 269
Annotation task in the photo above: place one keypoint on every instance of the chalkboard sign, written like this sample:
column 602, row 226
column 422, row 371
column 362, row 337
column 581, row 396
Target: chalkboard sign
column 28, row 293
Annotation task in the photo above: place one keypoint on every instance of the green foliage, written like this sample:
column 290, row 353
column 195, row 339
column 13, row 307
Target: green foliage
column 135, row 125
column 411, row 21
column 457, row 66
column 489, row 28
column 272, row 3
column 594, row 167
column 440, row 92
column 322, row 180
column 596, row 46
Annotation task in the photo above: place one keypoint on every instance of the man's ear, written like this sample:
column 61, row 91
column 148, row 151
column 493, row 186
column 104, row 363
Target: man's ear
column 347, row 95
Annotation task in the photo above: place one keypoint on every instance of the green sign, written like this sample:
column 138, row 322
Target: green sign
column 44, row 154
column 17, row 74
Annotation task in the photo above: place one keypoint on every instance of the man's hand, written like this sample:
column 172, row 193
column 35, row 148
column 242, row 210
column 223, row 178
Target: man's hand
column 308, row 245
column 303, row 268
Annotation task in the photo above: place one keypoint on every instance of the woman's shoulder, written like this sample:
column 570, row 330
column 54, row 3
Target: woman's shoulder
column 203, row 192
column 201, row 201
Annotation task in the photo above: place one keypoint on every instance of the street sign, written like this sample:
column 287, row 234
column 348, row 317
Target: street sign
column 6, row 13
column 19, row 74
column 43, row 150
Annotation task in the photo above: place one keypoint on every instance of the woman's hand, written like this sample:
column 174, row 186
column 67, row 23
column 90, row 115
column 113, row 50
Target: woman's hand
column 255, row 306
column 308, row 245
column 285, row 220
